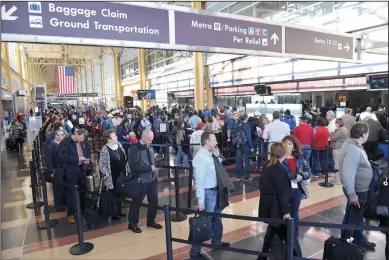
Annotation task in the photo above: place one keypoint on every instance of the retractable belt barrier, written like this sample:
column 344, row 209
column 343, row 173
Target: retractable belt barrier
column 85, row 247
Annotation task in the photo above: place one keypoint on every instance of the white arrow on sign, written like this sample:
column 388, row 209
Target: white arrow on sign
column 347, row 47
column 7, row 15
column 274, row 38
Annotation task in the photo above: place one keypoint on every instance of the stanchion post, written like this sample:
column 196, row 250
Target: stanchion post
column 168, row 232
column 35, row 203
column 82, row 247
column 326, row 184
column 178, row 216
column 37, row 182
column 289, row 238
column 190, row 185
column 48, row 223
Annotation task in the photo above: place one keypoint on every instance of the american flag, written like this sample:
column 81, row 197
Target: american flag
column 65, row 79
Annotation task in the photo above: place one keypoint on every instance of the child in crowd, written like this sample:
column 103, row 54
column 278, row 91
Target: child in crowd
column 132, row 138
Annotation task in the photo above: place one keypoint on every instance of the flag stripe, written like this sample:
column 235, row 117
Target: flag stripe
column 65, row 76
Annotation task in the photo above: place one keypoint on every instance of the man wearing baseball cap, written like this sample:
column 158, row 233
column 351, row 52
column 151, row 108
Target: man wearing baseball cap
column 195, row 138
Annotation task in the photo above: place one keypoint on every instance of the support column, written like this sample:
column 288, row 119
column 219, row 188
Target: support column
column 19, row 65
column 208, row 89
column 143, row 76
column 116, row 63
column 92, row 73
column 86, row 83
column 7, row 67
column 102, row 75
column 198, row 71
column 27, row 67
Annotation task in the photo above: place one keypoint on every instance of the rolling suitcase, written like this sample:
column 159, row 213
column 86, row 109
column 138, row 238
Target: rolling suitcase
column 336, row 248
column 92, row 214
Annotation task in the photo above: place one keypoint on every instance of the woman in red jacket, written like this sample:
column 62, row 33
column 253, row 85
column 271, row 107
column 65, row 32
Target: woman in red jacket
column 319, row 151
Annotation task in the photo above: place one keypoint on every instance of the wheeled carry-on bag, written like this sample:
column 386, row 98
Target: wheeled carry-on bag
column 336, row 248
column 92, row 214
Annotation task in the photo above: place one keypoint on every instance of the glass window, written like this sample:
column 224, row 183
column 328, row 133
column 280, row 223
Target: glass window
column 239, row 6
column 218, row 6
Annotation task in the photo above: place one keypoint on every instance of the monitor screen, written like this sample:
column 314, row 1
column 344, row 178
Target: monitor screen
column 146, row 94
column 377, row 81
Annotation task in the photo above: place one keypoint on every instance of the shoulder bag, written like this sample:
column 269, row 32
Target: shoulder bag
column 200, row 228
column 127, row 186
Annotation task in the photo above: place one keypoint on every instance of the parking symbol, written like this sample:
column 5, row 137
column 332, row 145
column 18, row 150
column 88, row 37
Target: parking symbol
column 264, row 32
column 34, row 7
column 36, row 21
column 217, row 26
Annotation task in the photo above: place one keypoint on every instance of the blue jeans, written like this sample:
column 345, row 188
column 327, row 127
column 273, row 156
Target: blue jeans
column 354, row 216
column 331, row 162
column 242, row 154
column 294, row 202
column 319, row 156
column 180, row 154
column 217, row 225
column 307, row 149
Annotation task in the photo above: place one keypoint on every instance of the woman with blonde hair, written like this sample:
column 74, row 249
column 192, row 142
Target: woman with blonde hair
column 274, row 200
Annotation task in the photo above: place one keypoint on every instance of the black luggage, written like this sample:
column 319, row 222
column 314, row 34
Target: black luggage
column 278, row 247
column 228, row 151
column 11, row 144
column 92, row 214
column 338, row 248
column 200, row 228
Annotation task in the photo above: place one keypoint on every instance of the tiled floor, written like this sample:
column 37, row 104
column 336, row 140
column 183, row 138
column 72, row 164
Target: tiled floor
column 22, row 240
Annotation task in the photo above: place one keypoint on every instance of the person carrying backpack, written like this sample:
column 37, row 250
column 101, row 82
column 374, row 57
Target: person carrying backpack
column 107, row 124
column 241, row 137
column 382, row 189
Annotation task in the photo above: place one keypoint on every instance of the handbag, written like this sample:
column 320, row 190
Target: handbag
column 200, row 228
column 127, row 186
column 108, row 203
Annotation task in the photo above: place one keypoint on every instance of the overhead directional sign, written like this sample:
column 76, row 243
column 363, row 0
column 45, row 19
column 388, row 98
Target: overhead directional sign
column 98, row 20
column 318, row 43
column 213, row 31
column 159, row 26
column 7, row 15
column 71, row 95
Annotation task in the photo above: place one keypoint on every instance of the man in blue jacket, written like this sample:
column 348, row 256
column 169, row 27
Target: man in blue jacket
column 243, row 151
column 289, row 119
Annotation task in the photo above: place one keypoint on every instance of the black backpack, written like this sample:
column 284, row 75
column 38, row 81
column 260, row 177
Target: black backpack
column 237, row 134
column 224, row 127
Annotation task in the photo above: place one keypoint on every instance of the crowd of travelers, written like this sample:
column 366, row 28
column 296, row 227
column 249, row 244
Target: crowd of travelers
column 295, row 149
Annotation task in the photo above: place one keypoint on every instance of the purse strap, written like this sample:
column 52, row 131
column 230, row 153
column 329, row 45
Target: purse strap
column 101, row 187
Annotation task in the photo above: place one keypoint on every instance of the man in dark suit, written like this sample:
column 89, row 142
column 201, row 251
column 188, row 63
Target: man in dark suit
column 74, row 153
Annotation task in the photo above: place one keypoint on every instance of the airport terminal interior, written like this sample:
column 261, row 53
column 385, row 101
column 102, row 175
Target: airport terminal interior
column 159, row 74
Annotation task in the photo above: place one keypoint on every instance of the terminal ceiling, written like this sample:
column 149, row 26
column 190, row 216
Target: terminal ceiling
column 44, row 58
